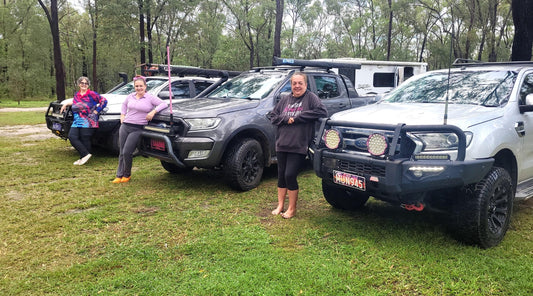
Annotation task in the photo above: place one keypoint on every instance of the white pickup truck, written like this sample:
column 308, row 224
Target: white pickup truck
column 458, row 140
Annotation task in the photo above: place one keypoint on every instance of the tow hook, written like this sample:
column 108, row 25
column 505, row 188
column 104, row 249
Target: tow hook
column 413, row 207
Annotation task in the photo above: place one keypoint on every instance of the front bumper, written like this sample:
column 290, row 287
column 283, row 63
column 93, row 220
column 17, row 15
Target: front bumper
column 182, row 151
column 58, row 123
column 385, row 178
column 401, row 172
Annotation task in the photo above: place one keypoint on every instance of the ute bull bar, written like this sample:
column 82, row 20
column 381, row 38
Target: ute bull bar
column 59, row 123
column 393, row 172
column 167, row 154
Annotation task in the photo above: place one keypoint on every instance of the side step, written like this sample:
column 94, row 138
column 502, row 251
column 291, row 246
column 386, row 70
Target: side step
column 524, row 190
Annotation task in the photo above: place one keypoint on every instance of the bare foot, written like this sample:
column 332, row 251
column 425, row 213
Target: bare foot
column 288, row 215
column 277, row 211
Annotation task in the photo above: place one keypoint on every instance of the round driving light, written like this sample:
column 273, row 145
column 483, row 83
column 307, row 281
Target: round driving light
column 332, row 139
column 377, row 144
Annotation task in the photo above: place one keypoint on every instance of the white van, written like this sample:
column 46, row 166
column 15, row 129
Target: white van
column 377, row 77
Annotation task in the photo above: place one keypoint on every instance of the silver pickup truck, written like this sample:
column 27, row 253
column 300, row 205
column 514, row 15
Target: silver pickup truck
column 458, row 141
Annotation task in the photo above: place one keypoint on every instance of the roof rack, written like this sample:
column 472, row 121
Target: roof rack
column 276, row 61
column 477, row 63
column 154, row 69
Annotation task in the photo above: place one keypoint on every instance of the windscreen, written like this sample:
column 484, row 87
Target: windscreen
column 129, row 88
column 487, row 88
column 254, row 86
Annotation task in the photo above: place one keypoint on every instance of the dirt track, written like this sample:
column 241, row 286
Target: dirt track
column 29, row 132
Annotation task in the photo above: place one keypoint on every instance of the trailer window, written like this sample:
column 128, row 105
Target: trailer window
column 383, row 79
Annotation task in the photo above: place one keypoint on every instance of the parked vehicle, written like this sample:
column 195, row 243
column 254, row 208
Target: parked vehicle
column 377, row 77
column 229, row 128
column 182, row 86
column 458, row 141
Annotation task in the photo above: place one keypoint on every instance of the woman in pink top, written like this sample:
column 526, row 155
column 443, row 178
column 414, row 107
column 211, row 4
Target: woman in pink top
column 137, row 109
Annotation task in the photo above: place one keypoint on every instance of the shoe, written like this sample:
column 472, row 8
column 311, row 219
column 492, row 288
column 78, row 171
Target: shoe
column 77, row 162
column 116, row 180
column 125, row 179
column 84, row 159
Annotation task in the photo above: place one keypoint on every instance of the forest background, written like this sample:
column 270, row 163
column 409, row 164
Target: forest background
column 99, row 38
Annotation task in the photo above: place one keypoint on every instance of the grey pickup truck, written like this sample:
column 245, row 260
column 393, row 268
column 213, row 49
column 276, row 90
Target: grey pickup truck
column 228, row 128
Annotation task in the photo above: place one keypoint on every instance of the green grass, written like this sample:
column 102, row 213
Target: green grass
column 25, row 103
column 66, row 230
column 21, row 117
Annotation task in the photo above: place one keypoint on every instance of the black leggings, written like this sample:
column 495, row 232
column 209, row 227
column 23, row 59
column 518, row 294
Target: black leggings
column 80, row 138
column 289, row 165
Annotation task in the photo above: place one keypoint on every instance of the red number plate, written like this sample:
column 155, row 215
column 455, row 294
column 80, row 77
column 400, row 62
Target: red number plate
column 349, row 180
column 157, row 145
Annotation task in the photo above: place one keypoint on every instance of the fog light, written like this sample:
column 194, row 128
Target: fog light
column 332, row 139
column 377, row 144
column 419, row 171
column 198, row 153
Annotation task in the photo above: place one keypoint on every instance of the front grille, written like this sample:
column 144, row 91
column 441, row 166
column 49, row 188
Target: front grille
column 178, row 127
column 358, row 167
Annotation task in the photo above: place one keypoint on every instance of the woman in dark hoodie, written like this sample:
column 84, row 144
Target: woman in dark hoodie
column 295, row 116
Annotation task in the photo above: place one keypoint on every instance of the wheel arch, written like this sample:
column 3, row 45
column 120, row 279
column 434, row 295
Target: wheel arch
column 255, row 134
column 507, row 160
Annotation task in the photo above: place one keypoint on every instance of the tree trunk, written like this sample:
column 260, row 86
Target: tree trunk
column 523, row 23
column 141, row 32
column 277, row 31
column 53, row 20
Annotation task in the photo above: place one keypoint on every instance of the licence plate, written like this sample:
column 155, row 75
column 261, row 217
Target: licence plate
column 57, row 126
column 157, row 145
column 349, row 180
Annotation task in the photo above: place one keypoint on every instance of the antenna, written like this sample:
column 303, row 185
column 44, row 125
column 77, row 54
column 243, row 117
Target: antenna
column 449, row 72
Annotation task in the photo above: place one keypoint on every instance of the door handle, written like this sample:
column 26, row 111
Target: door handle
column 520, row 128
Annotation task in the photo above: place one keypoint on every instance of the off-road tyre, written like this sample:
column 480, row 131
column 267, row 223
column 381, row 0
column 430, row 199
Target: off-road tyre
column 174, row 169
column 482, row 213
column 341, row 198
column 114, row 140
column 244, row 164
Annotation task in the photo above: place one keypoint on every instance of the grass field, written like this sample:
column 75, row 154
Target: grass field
column 66, row 230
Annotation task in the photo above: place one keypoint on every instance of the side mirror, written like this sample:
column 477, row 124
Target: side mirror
column 278, row 97
column 164, row 95
column 528, row 107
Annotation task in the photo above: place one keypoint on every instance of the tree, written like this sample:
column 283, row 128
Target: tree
column 277, row 31
column 523, row 22
column 53, row 20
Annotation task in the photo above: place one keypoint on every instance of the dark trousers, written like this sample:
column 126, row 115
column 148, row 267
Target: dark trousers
column 289, row 166
column 80, row 139
column 128, row 137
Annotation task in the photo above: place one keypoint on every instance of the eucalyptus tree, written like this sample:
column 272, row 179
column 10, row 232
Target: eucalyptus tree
column 523, row 22
column 171, row 27
column 203, row 37
column 53, row 19
column 251, row 21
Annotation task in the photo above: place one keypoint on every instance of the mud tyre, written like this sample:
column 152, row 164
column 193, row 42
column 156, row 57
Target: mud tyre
column 482, row 213
column 244, row 164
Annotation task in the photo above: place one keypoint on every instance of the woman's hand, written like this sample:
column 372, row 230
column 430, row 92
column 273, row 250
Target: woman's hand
column 64, row 107
column 150, row 115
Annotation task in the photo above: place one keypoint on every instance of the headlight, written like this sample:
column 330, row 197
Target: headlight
column 440, row 141
column 203, row 123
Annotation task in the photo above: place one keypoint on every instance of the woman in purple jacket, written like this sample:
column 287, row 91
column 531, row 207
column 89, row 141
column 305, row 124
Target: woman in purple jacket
column 295, row 116
column 86, row 105
column 137, row 109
